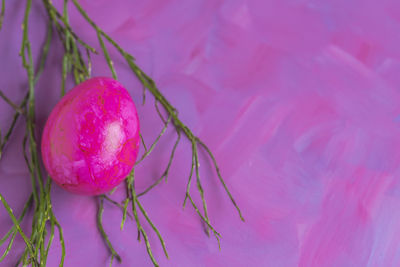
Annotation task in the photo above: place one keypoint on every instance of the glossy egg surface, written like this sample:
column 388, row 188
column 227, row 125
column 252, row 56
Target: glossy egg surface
column 91, row 139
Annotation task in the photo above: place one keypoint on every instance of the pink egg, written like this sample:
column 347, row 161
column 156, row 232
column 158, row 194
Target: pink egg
column 91, row 139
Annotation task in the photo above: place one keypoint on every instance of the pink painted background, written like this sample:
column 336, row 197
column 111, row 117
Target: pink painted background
column 299, row 100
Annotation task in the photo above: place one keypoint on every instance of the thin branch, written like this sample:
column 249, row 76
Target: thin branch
column 39, row 71
column 41, row 193
column 153, row 227
column 12, row 104
column 199, row 186
column 190, row 177
column 89, row 64
column 158, row 111
column 86, row 16
column 45, row 52
column 143, row 143
column 124, row 212
column 12, row 126
column 61, row 238
column 144, row 96
column 53, row 12
column 17, row 226
column 131, row 181
column 73, row 61
column 101, row 229
column 3, row 10
column 166, row 172
column 107, row 56
column 13, row 230
column 150, row 85
column 65, row 70
column 205, row 220
column 117, row 204
column 220, row 177
column 153, row 145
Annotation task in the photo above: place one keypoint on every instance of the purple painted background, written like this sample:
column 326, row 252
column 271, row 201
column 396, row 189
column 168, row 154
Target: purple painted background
column 299, row 100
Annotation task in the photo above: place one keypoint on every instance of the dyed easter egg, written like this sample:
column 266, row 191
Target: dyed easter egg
column 91, row 139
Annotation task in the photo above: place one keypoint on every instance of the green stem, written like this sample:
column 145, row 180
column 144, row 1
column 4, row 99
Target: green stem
column 131, row 182
column 153, row 145
column 61, row 237
column 16, row 224
column 100, row 31
column 107, row 56
column 54, row 14
column 12, row 104
column 11, row 128
column 102, row 231
column 166, row 172
column 152, row 226
column 3, row 10
column 220, row 177
column 74, row 62
column 205, row 220
column 143, row 143
column 45, row 52
column 122, row 207
column 13, row 230
column 190, row 177
column 124, row 212
column 41, row 193
column 199, row 186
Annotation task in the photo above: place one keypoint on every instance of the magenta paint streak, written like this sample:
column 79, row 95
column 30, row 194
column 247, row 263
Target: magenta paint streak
column 298, row 99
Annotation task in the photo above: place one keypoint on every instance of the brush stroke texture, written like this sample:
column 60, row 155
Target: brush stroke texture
column 299, row 100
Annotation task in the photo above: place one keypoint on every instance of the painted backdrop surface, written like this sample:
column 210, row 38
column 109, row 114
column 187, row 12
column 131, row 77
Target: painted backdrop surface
column 299, row 100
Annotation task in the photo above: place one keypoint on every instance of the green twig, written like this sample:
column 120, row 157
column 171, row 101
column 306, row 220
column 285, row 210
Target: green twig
column 17, row 226
column 101, row 229
column 89, row 64
column 159, row 112
column 54, row 14
column 13, row 230
column 74, row 62
column 3, row 10
column 12, row 104
column 12, row 126
column 45, row 52
column 65, row 70
column 61, row 238
column 131, row 182
column 41, row 193
column 220, row 177
column 119, row 205
column 143, row 143
column 205, row 220
column 153, row 145
column 100, row 31
column 166, row 172
column 107, row 55
column 199, row 186
column 124, row 212
column 152, row 226
column 190, row 178
column 39, row 71
column 144, row 96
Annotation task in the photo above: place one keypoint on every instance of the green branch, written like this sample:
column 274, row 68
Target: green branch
column 3, row 10
column 17, row 226
column 102, row 231
column 73, row 63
